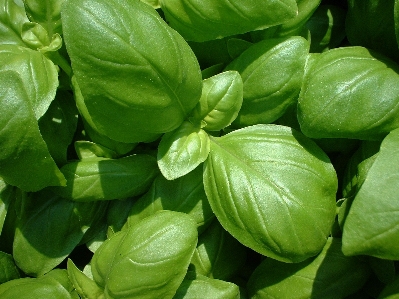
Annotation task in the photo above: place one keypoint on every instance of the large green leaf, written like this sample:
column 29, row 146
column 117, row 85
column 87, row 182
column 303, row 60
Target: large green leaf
column 280, row 63
column 329, row 275
column 24, row 159
column 206, row 20
column 106, row 179
column 149, row 260
column 49, row 228
column 137, row 76
column 350, row 92
column 12, row 17
column 372, row 225
column 38, row 74
column 273, row 189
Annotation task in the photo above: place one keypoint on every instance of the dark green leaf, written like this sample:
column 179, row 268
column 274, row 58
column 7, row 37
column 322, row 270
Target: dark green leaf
column 106, row 179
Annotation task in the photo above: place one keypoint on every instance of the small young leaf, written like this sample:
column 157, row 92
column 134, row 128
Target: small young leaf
column 85, row 287
column 182, row 150
column 220, row 102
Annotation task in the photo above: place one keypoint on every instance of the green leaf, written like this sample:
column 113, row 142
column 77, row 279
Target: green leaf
column 327, row 27
column 329, row 275
column 151, row 91
column 350, row 92
column 182, row 150
column 45, row 12
column 85, row 287
column 280, row 63
column 185, row 194
column 205, row 287
column 372, row 225
column 49, row 228
column 218, row 255
column 54, row 285
column 391, row 290
column 162, row 244
column 106, row 179
column 25, row 160
column 371, row 24
column 37, row 38
column 8, row 269
column 220, row 102
column 273, row 189
column 7, row 193
column 12, row 17
column 58, row 126
column 89, row 150
column 292, row 27
column 38, row 74
column 208, row 20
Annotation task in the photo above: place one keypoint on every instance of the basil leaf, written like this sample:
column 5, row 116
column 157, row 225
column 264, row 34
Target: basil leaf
column 58, row 126
column 350, row 92
column 327, row 27
column 37, row 38
column 214, row 256
column 8, row 269
column 329, row 275
column 12, row 17
column 7, row 193
column 365, row 232
column 273, row 189
column 391, row 290
column 370, row 23
column 106, row 179
column 280, row 63
column 54, row 284
column 207, row 20
column 220, row 102
column 182, row 150
column 25, row 160
column 185, row 194
column 47, row 13
column 205, row 287
column 162, row 243
column 143, row 93
column 48, row 245
column 38, row 74
column 86, row 287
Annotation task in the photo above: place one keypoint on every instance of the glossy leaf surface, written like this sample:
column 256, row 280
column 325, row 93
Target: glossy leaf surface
column 273, row 189
column 144, row 93
column 161, row 244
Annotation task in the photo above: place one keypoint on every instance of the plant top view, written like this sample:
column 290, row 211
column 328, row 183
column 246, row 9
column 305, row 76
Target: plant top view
column 199, row 149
